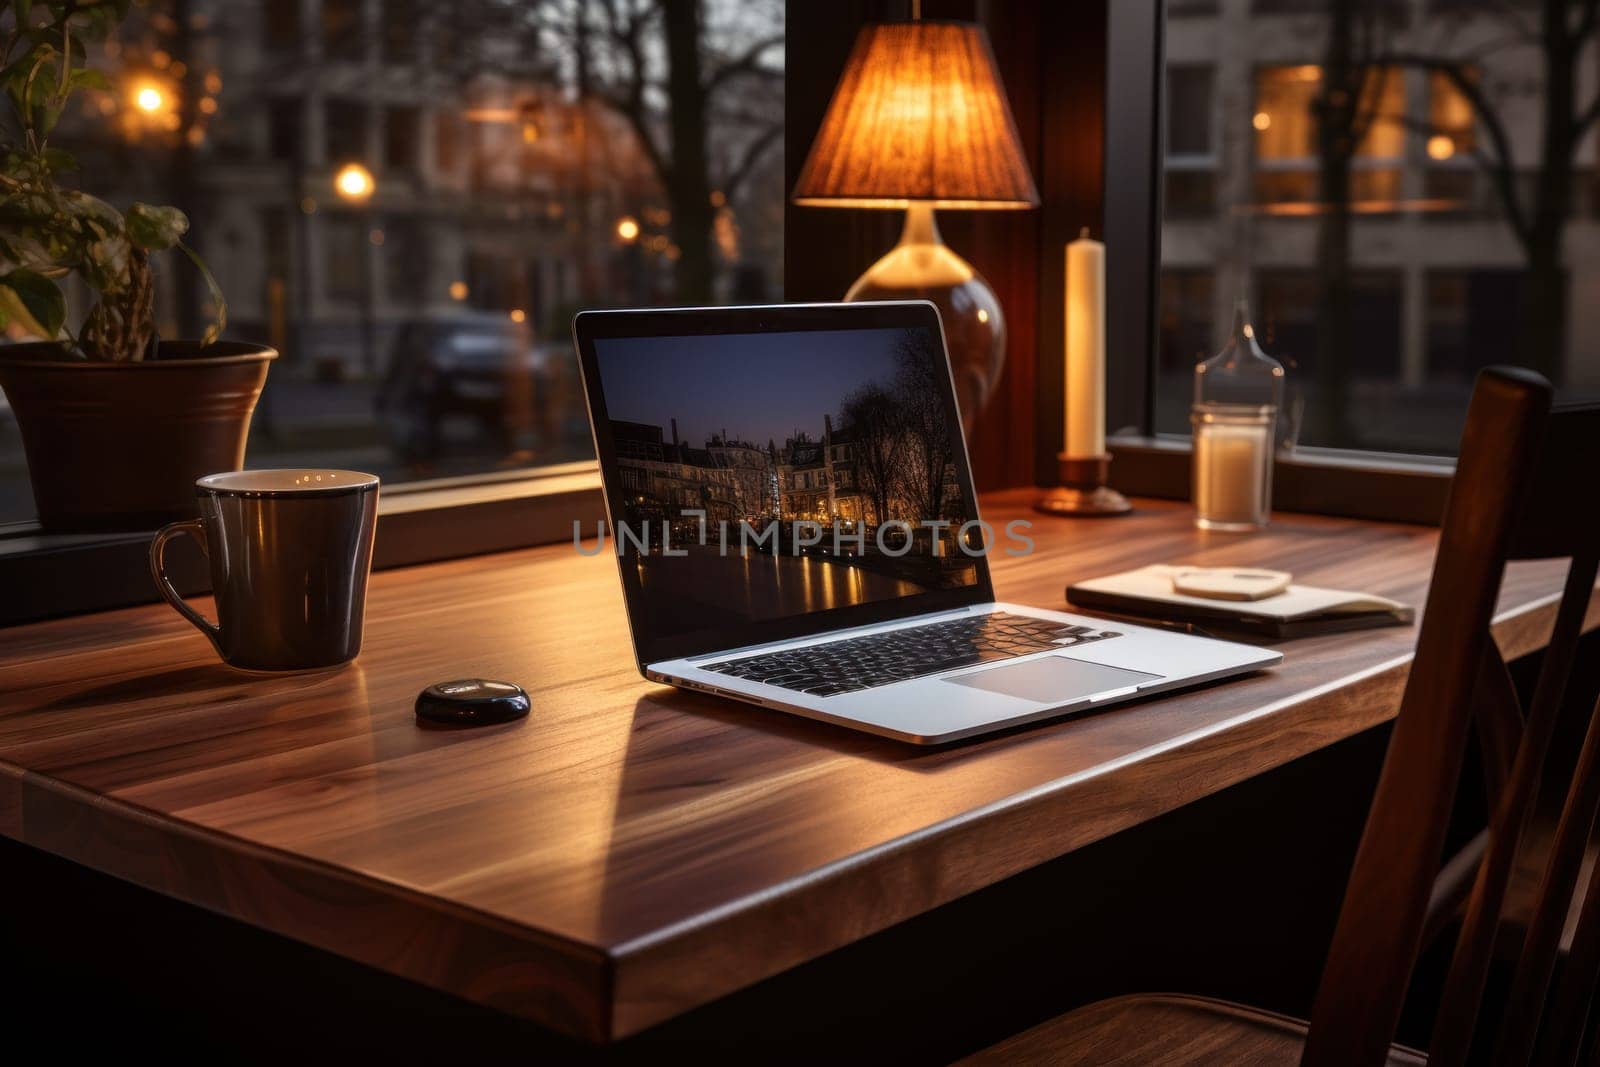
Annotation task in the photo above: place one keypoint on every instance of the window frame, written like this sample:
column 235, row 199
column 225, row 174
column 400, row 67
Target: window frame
column 50, row 575
column 1350, row 483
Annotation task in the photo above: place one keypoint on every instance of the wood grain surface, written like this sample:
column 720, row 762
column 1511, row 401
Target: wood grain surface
column 628, row 851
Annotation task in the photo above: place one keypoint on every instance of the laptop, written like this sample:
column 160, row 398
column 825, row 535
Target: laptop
column 793, row 516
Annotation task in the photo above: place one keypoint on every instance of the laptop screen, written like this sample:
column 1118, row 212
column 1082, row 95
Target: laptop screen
column 777, row 472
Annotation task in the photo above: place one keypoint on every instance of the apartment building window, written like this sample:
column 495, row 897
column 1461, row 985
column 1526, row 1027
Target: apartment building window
column 1287, row 149
column 342, row 36
column 1452, row 170
column 401, row 138
column 1191, row 150
column 343, row 257
column 344, row 131
column 280, row 25
column 400, row 31
column 446, row 142
column 1286, row 321
column 283, row 128
column 1474, row 320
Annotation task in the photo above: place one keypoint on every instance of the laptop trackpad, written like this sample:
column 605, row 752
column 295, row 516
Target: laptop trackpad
column 1053, row 679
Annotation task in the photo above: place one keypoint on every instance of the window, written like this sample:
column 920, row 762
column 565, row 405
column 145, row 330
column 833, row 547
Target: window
column 400, row 31
column 1473, row 318
column 1451, row 179
column 283, row 128
column 400, row 138
column 383, row 310
column 446, row 142
column 1289, row 151
column 344, row 127
column 344, row 235
column 1389, row 248
column 341, row 29
column 1191, row 151
column 280, row 25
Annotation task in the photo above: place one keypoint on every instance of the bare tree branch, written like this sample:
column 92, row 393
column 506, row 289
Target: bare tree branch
column 1502, row 169
column 1509, row 13
column 626, row 31
column 747, row 63
column 1586, row 118
column 753, row 151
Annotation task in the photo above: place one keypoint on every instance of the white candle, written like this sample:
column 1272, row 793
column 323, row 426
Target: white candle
column 1230, row 474
column 1086, row 348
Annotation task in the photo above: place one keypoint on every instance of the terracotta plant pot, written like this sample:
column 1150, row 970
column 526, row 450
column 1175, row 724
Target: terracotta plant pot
column 118, row 446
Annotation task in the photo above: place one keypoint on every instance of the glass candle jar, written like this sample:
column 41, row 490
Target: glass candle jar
column 1232, row 465
column 1238, row 394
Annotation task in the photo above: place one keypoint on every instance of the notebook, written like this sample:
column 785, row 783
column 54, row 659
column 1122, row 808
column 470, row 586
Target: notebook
column 1298, row 611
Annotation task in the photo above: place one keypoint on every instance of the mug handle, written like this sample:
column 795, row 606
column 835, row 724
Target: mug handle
column 158, row 570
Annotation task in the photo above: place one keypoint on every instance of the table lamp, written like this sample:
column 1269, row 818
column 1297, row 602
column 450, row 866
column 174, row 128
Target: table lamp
column 919, row 121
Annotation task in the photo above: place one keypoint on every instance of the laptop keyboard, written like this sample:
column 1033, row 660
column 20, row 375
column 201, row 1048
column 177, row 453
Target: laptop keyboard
column 913, row 652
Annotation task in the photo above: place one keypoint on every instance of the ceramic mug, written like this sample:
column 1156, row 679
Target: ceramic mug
column 290, row 551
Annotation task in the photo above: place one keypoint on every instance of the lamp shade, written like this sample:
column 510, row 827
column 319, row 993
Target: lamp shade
column 919, row 116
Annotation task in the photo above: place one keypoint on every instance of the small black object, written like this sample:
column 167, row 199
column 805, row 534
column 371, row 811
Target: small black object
column 472, row 702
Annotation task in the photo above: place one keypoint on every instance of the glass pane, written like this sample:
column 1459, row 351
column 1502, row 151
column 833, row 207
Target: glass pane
column 516, row 176
column 1397, row 224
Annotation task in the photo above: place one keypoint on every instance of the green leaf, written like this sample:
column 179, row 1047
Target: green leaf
column 89, row 78
column 19, row 11
column 214, row 330
column 34, row 303
column 156, row 228
column 95, row 21
column 59, row 159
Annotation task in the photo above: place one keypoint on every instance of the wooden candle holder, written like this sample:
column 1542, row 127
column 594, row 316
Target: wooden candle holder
column 1083, row 491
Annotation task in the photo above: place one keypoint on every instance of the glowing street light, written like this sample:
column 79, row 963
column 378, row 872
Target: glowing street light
column 149, row 99
column 628, row 228
column 354, row 182
column 1441, row 146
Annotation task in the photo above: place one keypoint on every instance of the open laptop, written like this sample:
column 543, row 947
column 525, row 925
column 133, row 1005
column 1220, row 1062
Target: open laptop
column 795, row 523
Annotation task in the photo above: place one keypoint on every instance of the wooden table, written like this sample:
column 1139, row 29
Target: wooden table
column 630, row 852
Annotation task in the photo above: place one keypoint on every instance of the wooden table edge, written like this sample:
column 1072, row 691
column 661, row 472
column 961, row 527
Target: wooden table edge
column 928, row 868
column 316, row 903
column 605, row 994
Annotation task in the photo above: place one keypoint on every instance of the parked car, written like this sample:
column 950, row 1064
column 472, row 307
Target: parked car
column 484, row 367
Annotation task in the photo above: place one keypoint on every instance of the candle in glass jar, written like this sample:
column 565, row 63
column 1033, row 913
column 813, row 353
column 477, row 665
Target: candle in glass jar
column 1085, row 431
column 1231, row 471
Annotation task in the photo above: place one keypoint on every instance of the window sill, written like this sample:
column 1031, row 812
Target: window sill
column 47, row 575
column 1358, row 485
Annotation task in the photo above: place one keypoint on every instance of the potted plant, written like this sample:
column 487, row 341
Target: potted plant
column 116, row 422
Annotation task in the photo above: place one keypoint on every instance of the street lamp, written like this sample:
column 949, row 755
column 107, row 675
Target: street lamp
column 355, row 185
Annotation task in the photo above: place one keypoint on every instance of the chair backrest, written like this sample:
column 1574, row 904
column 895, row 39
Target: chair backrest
column 1521, row 476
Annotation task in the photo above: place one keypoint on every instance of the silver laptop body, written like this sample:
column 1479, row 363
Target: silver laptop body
column 790, row 503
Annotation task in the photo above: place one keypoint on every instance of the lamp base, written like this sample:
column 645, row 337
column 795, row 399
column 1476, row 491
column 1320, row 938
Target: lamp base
column 922, row 267
column 1083, row 492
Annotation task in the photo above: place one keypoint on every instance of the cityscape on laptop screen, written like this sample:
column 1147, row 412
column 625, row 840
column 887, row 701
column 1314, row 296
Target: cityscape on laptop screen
column 766, row 475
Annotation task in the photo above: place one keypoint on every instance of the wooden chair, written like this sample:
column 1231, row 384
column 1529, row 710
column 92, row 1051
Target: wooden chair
column 1519, row 492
